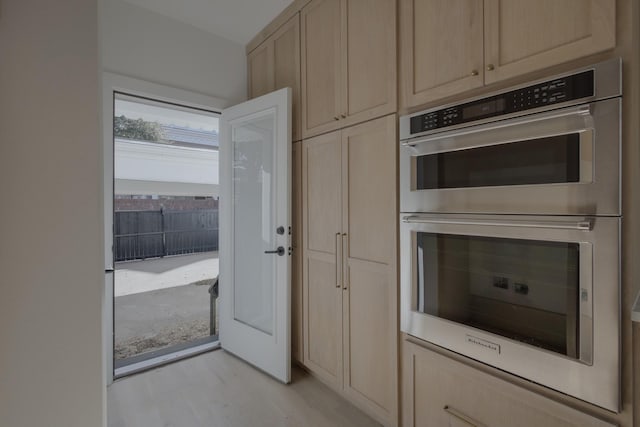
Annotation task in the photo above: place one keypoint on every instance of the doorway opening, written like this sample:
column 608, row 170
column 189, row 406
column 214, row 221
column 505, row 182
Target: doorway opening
column 165, row 232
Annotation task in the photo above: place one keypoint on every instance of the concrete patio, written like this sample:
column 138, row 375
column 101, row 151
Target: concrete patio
column 132, row 277
column 162, row 302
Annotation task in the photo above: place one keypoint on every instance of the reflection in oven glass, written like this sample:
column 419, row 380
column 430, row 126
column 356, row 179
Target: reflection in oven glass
column 526, row 290
column 549, row 160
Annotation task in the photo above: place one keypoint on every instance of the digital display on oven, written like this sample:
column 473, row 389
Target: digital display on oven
column 556, row 91
column 480, row 110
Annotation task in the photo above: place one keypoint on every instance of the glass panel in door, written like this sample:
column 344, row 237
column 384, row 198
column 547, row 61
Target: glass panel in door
column 253, row 223
column 526, row 290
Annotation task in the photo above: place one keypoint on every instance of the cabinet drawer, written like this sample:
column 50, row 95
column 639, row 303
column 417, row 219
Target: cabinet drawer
column 439, row 391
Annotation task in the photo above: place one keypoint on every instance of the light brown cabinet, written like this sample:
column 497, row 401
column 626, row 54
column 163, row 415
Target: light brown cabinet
column 260, row 70
column 521, row 35
column 449, row 46
column 348, row 63
column 441, row 48
column 322, row 243
column 275, row 64
column 296, row 259
column 349, row 253
column 438, row 391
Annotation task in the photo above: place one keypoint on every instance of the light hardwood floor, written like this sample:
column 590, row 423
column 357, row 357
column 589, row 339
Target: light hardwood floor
column 219, row 390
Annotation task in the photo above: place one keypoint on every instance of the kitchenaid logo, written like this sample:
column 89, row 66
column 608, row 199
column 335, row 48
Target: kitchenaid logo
column 483, row 343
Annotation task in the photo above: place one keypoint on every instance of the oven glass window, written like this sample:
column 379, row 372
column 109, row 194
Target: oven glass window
column 526, row 290
column 539, row 161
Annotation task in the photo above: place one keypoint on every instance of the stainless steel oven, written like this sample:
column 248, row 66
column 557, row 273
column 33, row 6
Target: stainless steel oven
column 551, row 147
column 510, row 231
column 535, row 296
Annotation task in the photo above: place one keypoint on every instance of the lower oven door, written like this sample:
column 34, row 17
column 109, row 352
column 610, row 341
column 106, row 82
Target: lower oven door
column 535, row 296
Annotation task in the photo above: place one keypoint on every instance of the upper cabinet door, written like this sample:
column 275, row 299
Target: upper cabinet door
column 260, row 70
column 369, row 59
column 321, row 73
column 275, row 64
column 524, row 35
column 286, row 57
column 348, row 63
column 441, row 48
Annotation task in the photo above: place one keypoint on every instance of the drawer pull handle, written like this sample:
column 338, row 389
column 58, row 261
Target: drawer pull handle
column 462, row 417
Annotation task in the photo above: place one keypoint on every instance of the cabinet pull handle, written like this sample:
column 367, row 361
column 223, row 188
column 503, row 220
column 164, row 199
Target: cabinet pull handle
column 474, row 73
column 490, row 67
column 336, row 118
column 462, row 417
column 338, row 260
column 344, row 116
column 345, row 255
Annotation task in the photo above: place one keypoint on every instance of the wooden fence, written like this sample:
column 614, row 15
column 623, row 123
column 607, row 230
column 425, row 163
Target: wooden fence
column 152, row 234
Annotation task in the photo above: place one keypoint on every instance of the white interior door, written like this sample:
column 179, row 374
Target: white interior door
column 255, row 258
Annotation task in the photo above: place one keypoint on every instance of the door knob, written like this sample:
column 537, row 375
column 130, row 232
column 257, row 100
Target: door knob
column 280, row 251
column 490, row 67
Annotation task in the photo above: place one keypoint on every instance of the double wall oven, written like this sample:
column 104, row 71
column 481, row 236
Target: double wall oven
column 510, row 230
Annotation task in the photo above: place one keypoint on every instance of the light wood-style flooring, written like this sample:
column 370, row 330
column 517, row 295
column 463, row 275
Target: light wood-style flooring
column 217, row 389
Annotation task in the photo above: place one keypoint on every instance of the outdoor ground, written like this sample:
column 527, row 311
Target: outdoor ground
column 162, row 302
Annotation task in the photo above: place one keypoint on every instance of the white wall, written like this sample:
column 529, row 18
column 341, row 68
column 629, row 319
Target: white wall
column 149, row 46
column 51, row 367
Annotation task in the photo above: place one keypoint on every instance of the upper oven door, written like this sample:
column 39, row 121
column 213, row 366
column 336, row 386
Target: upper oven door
column 561, row 162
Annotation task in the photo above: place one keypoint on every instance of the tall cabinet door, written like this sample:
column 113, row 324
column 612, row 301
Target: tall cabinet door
column 443, row 54
column 368, row 59
column 322, row 254
column 523, row 35
column 370, row 284
column 296, row 262
column 321, row 73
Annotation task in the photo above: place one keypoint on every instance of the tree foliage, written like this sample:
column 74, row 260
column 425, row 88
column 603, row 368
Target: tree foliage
column 138, row 130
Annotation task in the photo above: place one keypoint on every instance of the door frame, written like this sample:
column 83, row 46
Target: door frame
column 113, row 83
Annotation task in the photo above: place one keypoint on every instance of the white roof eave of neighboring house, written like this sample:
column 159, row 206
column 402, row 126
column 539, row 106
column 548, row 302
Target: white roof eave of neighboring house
column 152, row 168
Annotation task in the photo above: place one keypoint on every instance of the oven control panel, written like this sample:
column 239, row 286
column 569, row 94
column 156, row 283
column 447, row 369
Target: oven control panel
column 559, row 90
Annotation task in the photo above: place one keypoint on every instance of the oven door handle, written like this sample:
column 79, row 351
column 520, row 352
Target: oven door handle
column 579, row 110
column 582, row 225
